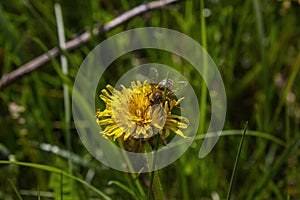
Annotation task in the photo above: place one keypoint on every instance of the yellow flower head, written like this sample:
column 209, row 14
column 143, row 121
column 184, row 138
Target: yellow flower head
column 138, row 112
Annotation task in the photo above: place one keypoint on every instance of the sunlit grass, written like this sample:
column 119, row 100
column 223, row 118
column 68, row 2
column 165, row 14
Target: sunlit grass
column 256, row 47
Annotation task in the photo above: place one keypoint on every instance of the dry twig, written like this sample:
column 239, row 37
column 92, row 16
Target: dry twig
column 79, row 40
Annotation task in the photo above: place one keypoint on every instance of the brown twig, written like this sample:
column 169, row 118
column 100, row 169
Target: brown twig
column 79, row 40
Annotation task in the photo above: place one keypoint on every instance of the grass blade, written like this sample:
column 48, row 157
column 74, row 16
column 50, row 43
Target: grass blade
column 153, row 172
column 203, row 99
column 64, row 66
column 38, row 193
column 58, row 171
column 124, row 187
column 15, row 189
column 276, row 168
column 287, row 87
column 252, row 133
column 236, row 163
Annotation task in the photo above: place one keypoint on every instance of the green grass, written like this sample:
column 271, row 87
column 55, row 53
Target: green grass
column 254, row 43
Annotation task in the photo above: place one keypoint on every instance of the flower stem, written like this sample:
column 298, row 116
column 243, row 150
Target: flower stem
column 153, row 168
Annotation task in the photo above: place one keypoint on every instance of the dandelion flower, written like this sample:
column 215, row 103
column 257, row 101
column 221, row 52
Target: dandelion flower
column 139, row 112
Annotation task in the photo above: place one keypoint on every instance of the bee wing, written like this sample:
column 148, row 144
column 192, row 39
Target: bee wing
column 166, row 83
column 178, row 86
column 153, row 75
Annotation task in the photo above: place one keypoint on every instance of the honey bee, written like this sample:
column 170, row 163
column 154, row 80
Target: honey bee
column 163, row 88
column 156, row 98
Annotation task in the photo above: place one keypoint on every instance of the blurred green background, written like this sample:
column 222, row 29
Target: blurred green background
column 254, row 43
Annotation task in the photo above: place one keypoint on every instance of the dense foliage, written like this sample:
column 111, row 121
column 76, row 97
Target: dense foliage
column 254, row 43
